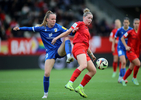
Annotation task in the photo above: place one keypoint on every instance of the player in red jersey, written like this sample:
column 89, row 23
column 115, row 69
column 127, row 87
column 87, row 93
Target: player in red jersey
column 132, row 51
column 80, row 52
column 114, row 48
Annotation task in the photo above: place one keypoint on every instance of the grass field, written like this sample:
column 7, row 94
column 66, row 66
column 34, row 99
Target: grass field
column 27, row 85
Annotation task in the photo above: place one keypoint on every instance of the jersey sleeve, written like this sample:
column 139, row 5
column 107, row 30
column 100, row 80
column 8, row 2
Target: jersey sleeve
column 36, row 28
column 111, row 34
column 26, row 28
column 117, row 34
column 127, row 34
column 74, row 25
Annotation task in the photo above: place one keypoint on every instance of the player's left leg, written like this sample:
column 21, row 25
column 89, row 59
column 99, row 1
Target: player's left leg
column 65, row 49
column 135, row 62
column 91, row 72
column 49, row 63
column 136, row 69
column 115, row 63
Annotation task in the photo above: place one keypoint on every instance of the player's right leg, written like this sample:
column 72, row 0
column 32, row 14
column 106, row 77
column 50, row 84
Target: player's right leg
column 82, row 65
column 123, row 67
column 66, row 48
column 91, row 72
column 49, row 63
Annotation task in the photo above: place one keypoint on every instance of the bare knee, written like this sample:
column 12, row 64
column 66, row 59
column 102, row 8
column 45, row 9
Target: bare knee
column 124, row 63
column 93, row 72
column 82, row 67
column 47, row 74
column 138, row 64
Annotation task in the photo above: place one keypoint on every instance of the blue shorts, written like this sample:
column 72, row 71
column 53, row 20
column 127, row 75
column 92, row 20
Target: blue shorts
column 53, row 54
column 121, row 52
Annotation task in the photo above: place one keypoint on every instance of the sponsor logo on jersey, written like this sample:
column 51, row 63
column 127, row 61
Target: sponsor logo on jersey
column 55, row 29
column 50, row 34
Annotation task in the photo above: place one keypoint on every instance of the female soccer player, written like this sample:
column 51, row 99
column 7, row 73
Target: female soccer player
column 114, row 49
column 132, row 51
column 48, row 30
column 121, row 49
column 80, row 49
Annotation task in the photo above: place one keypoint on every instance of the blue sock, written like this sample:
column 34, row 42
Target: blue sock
column 46, row 84
column 121, row 72
column 124, row 71
column 68, row 47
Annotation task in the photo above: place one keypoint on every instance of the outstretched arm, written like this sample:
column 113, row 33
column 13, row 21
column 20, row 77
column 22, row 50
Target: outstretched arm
column 23, row 28
column 64, row 34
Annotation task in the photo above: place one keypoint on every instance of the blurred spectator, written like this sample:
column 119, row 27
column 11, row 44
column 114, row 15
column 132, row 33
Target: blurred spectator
column 31, row 13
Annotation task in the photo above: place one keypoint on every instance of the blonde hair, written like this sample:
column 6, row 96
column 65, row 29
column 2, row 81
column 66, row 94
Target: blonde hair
column 44, row 23
column 86, row 11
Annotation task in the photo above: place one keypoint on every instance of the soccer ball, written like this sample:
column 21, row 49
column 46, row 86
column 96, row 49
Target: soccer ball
column 101, row 63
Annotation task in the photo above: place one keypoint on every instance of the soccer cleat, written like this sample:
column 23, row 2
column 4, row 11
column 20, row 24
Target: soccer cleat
column 135, row 81
column 69, row 86
column 45, row 96
column 80, row 90
column 70, row 59
column 120, row 80
column 123, row 82
column 114, row 74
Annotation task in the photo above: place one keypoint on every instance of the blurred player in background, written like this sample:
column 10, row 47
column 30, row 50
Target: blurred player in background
column 121, row 49
column 114, row 49
column 48, row 30
column 80, row 52
column 132, row 51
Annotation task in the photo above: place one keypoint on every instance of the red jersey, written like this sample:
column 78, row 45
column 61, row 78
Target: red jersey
column 132, row 40
column 82, row 35
column 112, row 34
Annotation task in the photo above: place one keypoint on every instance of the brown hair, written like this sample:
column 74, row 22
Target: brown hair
column 44, row 23
column 86, row 11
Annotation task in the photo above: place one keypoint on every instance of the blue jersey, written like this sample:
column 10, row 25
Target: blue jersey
column 120, row 32
column 47, row 34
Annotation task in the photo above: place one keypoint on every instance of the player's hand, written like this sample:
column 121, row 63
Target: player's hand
column 75, row 29
column 113, row 49
column 116, row 41
column 128, row 48
column 54, row 41
column 93, row 57
column 16, row 28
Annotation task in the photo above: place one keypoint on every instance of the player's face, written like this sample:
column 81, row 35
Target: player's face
column 51, row 20
column 126, row 23
column 88, row 19
column 117, row 23
column 136, row 24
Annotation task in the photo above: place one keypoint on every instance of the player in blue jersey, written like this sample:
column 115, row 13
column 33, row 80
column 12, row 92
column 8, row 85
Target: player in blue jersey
column 121, row 49
column 48, row 30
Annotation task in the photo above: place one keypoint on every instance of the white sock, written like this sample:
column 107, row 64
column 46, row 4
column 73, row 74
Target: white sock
column 120, row 78
column 68, row 55
column 81, row 85
column 70, row 81
column 45, row 93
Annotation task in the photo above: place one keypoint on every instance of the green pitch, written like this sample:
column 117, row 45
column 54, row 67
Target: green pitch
column 28, row 85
